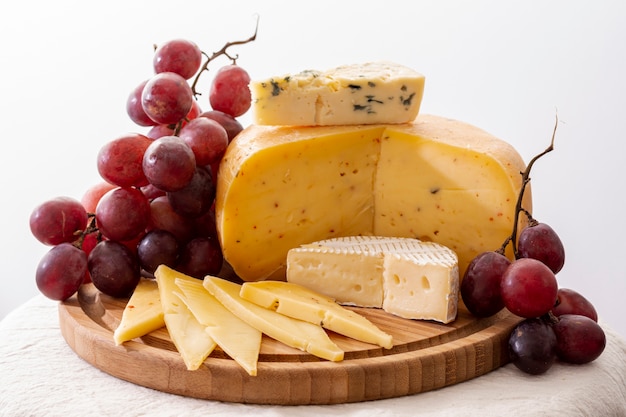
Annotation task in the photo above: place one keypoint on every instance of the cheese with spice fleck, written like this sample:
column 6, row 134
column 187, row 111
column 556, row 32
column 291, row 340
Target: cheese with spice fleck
column 143, row 313
column 374, row 92
column 435, row 179
column 403, row 276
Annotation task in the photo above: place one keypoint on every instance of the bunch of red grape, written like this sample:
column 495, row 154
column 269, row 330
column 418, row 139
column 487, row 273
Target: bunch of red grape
column 156, row 202
column 558, row 323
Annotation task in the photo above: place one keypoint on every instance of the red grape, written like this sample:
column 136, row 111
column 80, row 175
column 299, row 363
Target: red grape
column 229, row 91
column 169, row 164
column 178, row 55
column 201, row 257
column 579, row 339
column 206, row 138
column 151, row 192
column 571, row 302
column 528, row 288
column 61, row 271
column 541, row 242
column 122, row 214
column 114, row 269
column 90, row 198
column 57, row 220
column 228, row 122
column 532, row 346
column 163, row 216
column 135, row 110
column 159, row 131
column 120, row 160
column 197, row 197
column 167, row 98
column 158, row 247
column 480, row 288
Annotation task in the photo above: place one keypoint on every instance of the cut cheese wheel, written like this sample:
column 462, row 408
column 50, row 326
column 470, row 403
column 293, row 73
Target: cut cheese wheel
column 435, row 179
column 370, row 93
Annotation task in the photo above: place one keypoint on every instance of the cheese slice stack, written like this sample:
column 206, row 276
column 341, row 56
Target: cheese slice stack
column 375, row 92
column 403, row 276
column 435, row 179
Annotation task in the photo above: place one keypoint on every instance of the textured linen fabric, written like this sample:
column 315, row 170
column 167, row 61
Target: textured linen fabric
column 40, row 375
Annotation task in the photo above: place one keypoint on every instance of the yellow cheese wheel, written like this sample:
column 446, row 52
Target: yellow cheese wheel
column 435, row 179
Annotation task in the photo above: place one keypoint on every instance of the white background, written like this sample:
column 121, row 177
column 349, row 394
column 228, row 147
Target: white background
column 67, row 67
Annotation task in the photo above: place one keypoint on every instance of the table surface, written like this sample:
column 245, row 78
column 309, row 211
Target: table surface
column 41, row 375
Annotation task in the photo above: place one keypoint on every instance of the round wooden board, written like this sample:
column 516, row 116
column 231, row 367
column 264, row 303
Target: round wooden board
column 426, row 356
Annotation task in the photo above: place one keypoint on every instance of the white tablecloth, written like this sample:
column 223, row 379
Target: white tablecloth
column 40, row 375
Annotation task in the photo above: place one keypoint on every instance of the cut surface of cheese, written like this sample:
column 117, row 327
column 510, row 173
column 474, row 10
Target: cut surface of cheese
column 370, row 93
column 298, row 334
column 239, row 340
column 435, row 179
column 416, row 280
column 143, row 313
column 189, row 336
column 302, row 303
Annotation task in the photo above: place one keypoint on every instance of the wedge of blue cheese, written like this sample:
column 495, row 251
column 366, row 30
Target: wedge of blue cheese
column 374, row 92
column 403, row 276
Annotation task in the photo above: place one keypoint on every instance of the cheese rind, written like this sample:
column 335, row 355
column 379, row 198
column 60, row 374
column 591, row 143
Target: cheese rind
column 435, row 179
column 415, row 280
column 302, row 303
column 143, row 313
column 374, row 92
column 298, row 334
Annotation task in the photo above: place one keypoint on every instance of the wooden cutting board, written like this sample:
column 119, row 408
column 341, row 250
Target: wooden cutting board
column 426, row 355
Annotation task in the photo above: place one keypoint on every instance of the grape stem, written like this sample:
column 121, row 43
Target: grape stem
column 518, row 206
column 223, row 51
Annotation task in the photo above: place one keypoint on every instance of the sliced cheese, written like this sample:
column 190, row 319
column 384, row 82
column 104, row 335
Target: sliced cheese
column 374, row 92
column 415, row 280
column 189, row 336
column 143, row 313
column 435, row 179
column 298, row 334
column 238, row 339
column 302, row 303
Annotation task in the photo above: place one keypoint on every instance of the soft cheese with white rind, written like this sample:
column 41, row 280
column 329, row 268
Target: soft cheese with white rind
column 143, row 313
column 435, row 179
column 302, row 303
column 414, row 279
column 370, row 93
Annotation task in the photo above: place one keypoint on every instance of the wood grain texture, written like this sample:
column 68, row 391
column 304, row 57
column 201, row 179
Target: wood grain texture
column 426, row 356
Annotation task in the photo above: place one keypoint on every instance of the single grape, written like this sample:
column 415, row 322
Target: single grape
column 480, row 287
column 151, row 192
column 579, row 339
column 193, row 113
column 90, row 240
column 158, row 247
column 541, row 242
column 57, row 220
column 167, row 98
column 178, row 55
column 197, row 197
column 571, row 302
column 205, row 225
column 90, row 198
column 159, row 131
column 532, row 346
column 169, row 164
column 206, row 138
column 120, row 160
column 163, row 216
column 122, row 213
column 201, row 257
column 228, row 122
column 528, row 288
column 134, row 108
column 229, row 92
column 114, row 269
column 61, row 271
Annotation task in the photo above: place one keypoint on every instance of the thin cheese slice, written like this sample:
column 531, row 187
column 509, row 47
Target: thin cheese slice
column 302, row 303
column 298, row 334
column 374, row 92
column 413, row 279
column 435, row 180
column 143, row 313
column 239, row 340
column 189, row 336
